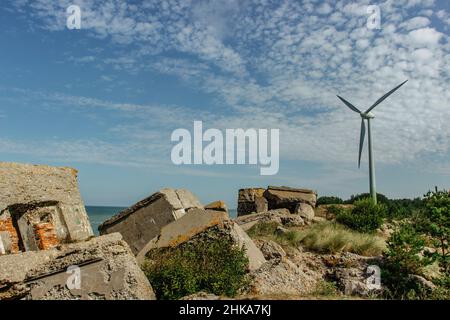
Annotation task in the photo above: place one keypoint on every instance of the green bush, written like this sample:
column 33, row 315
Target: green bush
column 403, row 259
column 364, row 217
column 381, row 198
column 216, row 266
column 329, row 200
column 334, row 211
column 437, row 226
column 326, row 288
column 404, row 208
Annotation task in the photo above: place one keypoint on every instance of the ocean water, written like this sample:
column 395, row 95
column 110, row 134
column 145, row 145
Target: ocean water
column 97, row 215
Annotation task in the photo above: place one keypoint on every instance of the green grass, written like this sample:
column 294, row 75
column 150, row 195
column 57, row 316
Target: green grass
column 215, row 265
column 324, row 237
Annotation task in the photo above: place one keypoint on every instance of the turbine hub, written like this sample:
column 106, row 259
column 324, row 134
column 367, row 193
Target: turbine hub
column 368, row 115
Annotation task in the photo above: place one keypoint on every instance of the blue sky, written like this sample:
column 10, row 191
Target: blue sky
column 105, row 99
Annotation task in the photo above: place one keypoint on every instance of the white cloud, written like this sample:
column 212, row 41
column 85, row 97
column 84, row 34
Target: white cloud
column 416, row 23
column 425, row 36
column 281, row 64
column 423, row 54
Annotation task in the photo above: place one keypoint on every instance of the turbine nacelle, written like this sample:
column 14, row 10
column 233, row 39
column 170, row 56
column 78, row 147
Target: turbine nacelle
column 368, row 115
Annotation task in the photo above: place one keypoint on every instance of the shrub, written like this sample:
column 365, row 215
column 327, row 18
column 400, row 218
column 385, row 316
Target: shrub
column 381, row 198
column 401, row 260
column 216, row 266
column 329, row 200
column 329, row 237
column 404, row 208
column 333, row 211
column 326, row 288
column 404, row 247
column 364, row 217
column 437, row 226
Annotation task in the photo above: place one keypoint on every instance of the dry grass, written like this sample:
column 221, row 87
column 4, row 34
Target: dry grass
column 329, row 237
column 324, row 237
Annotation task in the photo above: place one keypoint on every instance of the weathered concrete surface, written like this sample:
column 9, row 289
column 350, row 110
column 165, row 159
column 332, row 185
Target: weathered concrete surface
column 40, row 206
column 251, row 200
column 286, row 197
column 217, row 206
column 107, row 270
column 305, row 211
column 143, row 221
column 281, row 277
column 198, row 221
column 280, row 216
column 351, row 273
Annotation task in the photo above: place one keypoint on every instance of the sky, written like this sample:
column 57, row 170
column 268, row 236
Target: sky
column 106, row 98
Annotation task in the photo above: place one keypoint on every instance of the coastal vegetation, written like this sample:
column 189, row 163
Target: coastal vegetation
column 215, row 266
column 323, row 237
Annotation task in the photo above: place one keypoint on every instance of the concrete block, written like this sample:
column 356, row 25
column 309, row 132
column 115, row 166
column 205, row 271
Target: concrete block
column 143, row 221
column 34, row 196
column 198, row 221
column 102, row 268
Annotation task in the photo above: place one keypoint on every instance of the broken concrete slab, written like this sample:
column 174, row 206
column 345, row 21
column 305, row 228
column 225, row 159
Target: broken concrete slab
column 101, row 268
column 280, row 216
column 305, row 211
column 281, row 277
column 217, row 206
column 41, row 206
column 198, row 221
column 141, row 222
column 286, row 197
column 251, row 200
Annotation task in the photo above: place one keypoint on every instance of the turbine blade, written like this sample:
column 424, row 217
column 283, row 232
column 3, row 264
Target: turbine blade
column 361, row 141
column 348, row 104
column 385, row 96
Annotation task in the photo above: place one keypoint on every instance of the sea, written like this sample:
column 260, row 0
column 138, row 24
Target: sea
column 97, row 215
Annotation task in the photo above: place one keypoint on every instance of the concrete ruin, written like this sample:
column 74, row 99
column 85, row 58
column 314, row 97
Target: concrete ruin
column 251, row 200
column 258, row 200
column 217, row 206
column 289, row 198
column 143, row 221
column 102, row 268
column 197, row 222
column 40, row 207
column 280, row 216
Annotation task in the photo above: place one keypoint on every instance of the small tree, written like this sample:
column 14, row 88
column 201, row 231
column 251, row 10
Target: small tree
column 364, row 217
column 437, row 225
column 401, row 260
column 329, row 200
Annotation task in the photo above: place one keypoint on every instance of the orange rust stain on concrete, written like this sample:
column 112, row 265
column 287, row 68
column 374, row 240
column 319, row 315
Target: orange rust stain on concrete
column 7, row 225
column 46, row 235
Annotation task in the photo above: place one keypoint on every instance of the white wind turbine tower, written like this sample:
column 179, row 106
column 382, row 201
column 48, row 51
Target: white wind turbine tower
column 368, row 116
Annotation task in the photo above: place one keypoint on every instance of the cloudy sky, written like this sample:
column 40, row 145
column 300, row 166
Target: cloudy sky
column 105, row 99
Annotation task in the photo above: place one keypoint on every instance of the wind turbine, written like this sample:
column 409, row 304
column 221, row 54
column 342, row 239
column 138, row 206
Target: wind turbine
column 367, row 115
